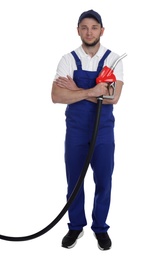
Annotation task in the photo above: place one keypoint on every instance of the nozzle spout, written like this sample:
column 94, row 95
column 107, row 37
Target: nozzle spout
column 120, row 58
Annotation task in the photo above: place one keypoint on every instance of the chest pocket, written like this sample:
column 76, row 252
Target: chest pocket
column 87, row 79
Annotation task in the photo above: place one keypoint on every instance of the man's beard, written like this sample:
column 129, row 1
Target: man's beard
column 90, row 44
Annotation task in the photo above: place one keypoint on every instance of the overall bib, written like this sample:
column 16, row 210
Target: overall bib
column 80, row 118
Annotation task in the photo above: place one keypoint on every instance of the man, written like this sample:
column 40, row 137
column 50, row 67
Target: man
column 75, row 85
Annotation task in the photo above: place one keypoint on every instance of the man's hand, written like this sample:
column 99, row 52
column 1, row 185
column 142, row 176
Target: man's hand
column 68, row 83
column 99, row 90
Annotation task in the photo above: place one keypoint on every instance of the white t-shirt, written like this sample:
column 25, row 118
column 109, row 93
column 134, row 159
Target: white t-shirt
column 67, row 64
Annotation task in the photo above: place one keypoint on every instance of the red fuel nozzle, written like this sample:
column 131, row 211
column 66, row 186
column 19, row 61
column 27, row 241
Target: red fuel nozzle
column 106, row 75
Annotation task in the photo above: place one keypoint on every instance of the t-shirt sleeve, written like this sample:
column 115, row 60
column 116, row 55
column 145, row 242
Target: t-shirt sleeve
column 65, row 66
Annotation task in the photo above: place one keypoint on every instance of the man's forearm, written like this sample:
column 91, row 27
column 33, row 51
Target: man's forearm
column 66, row 95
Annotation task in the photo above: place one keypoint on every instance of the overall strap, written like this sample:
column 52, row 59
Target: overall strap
column 78, row 62
column 100, row 65
column 101, row 62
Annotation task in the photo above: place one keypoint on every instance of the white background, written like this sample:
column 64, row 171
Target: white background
column 33, row 37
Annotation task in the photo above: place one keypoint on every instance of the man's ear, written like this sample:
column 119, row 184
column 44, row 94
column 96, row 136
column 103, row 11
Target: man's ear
column 78, row 31
column 102, row 31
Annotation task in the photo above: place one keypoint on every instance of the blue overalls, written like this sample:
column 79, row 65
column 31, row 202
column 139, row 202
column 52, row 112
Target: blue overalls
column 80, row 118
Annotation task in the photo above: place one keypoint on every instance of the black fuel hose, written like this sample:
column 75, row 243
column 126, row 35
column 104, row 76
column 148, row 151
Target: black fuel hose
column 76, row 189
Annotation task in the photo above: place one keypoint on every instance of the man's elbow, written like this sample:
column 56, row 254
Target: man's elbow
column 118, row 93
column 53, row 94
column 115, row 100
column 53, row 98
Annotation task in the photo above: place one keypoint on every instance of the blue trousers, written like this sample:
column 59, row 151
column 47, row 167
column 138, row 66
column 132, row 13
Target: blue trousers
column 79, row 130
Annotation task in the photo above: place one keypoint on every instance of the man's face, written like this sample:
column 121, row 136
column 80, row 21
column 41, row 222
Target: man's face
column 90, row 31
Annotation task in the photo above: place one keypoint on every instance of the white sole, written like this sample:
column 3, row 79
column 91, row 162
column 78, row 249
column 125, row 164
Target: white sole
column 102, row 249
column 80, row 235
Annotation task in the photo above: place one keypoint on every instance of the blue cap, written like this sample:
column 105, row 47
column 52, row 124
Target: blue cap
column 91, row 14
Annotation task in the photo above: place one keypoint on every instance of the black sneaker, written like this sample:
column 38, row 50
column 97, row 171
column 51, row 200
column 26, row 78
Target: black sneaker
column 71, row 237
column 104, row 241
